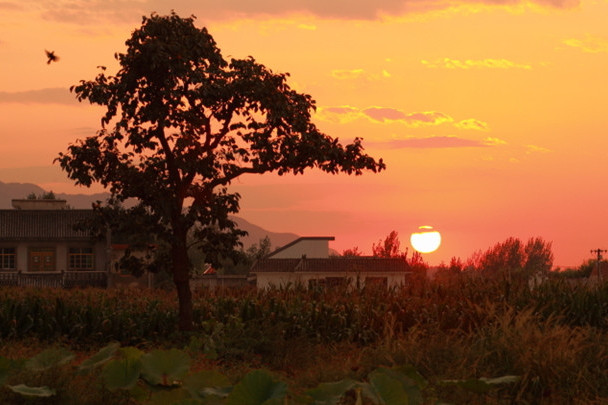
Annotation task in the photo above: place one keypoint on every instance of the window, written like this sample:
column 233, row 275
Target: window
column 80, row 258
column 7, row 258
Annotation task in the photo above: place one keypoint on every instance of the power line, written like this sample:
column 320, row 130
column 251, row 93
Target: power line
column 599, row 252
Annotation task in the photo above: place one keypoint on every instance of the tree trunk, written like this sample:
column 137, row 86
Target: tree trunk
column 181, row 278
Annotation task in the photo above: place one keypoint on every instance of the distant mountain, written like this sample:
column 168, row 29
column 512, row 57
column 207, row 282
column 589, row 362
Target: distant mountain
column 257, row 233
column 10, row 191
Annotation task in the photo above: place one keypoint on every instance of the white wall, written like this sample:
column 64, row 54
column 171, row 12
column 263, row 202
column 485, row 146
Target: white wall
column 61, row 254
column 266, row 280
column 312, row 248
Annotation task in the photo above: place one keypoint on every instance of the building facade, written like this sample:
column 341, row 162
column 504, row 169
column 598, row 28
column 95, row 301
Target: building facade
column 40, row 245
column 306, row 261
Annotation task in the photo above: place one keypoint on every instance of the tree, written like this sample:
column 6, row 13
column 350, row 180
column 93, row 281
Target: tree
column 389, row 247
column 446, row 273
column 44, row 196
column 539, row 256
column 503, row 257
column 353, row 252
column 181, row 123
column 258, row 251
column 514, row 258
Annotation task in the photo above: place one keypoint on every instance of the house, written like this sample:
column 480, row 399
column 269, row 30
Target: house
column 307, row 261
column 39, row 246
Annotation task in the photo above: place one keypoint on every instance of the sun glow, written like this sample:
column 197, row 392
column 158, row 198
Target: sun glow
column 425, row 240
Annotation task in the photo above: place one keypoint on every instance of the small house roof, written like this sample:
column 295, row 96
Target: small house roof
column 359, row 264
column 43, row 225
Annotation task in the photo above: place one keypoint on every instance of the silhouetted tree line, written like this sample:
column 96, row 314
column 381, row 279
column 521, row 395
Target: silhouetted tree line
column 512, row 260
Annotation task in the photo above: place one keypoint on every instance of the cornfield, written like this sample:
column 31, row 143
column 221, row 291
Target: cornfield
column 554, row 337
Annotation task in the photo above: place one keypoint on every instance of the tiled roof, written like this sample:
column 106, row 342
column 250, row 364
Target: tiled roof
column 358, row 264
column 39, row 225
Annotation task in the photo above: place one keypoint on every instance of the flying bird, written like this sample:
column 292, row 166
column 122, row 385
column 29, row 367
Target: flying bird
column 52, row 57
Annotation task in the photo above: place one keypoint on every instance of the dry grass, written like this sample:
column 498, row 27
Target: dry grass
column 557, row 363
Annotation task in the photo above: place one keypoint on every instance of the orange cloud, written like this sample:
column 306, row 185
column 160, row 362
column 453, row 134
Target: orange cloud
column 338, row 115
column 427, row 118
column 430, row 142
column 447, row 63
column 490, row 141
column 380, row 114
column 353, row 74
column 536, row 149
column 11, row 6
column 472, row 123
column 277, row 25
column 347, row 74
column 345, row 114
column 43, row 96
column 84, row 12
column 590, row 44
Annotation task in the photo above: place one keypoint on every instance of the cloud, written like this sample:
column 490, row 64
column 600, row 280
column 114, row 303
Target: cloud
column 342, row 110
column 85, row 12
column 57, row 95
column 90, row 12
column 536, row 149
column 447, row 63
column 589, row 44
column 385, row 115
column 473, row 124
column 427, row 118
column 338, row 115
column 346, row 9
column 380, row 114
column 490, row 141
column 10, row 6
column 354, row 74
column 344, row 74
column 84, row 131
column 308, row 27
column 432, row 142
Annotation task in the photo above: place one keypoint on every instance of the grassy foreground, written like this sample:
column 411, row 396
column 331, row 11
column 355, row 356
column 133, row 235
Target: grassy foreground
column 553, row 337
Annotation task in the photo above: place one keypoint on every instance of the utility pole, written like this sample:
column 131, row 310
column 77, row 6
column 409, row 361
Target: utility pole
column 599, row 252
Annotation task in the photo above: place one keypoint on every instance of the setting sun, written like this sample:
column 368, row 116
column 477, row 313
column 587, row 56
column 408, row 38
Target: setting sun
column 426, row 240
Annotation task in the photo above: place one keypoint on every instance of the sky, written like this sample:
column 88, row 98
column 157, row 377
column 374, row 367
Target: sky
column 491, row 115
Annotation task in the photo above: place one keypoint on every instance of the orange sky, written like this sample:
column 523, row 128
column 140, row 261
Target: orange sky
column 490, row 114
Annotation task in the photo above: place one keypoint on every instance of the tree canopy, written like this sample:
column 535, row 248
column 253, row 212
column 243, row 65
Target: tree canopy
column 389, row 247
column 181, row 123
column 514, row 257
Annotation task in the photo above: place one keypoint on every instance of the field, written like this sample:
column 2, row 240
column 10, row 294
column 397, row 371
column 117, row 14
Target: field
column 465, row 340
